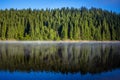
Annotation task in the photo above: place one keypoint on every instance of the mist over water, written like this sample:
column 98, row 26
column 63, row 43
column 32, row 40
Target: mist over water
column 67, row 60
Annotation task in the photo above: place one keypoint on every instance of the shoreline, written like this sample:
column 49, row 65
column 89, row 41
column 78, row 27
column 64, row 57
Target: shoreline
column 61, row 41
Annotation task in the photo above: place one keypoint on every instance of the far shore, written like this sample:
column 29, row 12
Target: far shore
column 59, row 41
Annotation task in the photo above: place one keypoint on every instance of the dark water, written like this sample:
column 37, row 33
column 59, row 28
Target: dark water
column 60, row 61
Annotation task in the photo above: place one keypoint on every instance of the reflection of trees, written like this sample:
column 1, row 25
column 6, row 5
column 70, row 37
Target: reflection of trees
column 62, row 57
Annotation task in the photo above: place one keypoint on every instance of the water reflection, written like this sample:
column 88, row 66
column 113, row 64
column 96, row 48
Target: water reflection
column 62, row 57
column 110, row 75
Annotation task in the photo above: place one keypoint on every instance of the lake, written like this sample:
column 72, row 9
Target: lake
column 60, row 60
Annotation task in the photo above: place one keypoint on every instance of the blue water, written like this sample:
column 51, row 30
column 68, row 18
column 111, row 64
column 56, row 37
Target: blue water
column 110, row 75
column 60, row 61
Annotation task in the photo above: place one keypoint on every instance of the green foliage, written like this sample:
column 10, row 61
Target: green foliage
column 59, row 24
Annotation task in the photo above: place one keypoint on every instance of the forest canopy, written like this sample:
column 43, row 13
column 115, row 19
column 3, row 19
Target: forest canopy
column 59, row 24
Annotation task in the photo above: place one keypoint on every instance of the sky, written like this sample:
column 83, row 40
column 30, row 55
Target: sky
column 111, row 5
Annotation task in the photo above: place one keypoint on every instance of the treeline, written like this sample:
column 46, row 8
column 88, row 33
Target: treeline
column 59, row 24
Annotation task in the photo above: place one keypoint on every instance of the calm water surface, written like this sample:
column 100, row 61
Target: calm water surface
column 61, row 61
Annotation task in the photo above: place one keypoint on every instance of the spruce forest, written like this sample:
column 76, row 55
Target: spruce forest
column 59, row 24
